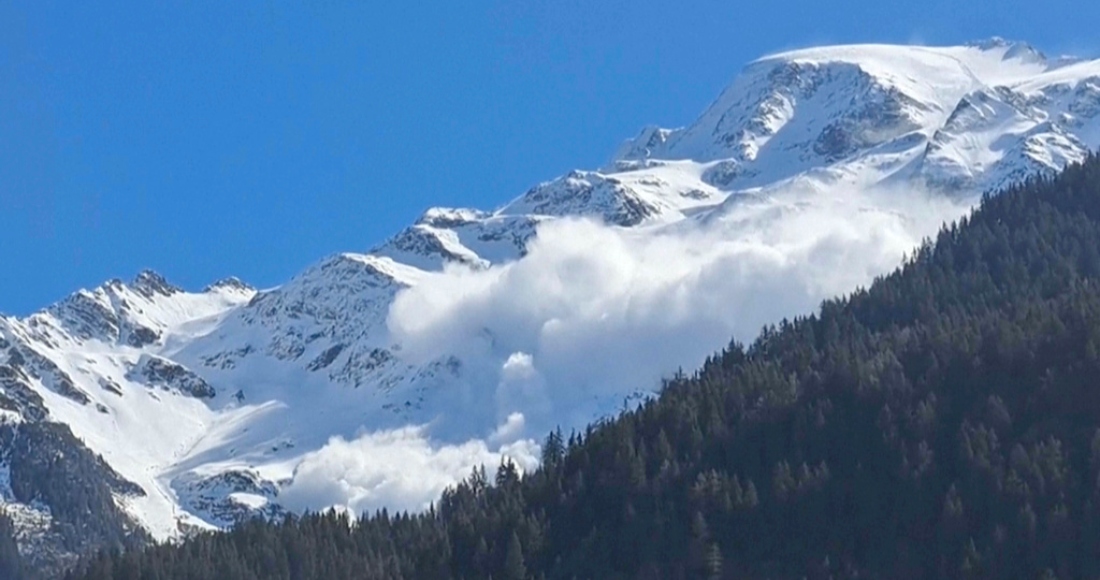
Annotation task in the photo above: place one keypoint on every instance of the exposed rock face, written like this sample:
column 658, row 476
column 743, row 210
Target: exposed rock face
column 65, row 386
column 232, row 284
column 586, row 194
column 18, row 397
column 150, row 284
column 45, row 370
column 326, row 358
column 165, row 374
column 230, row 497
column 60, row 494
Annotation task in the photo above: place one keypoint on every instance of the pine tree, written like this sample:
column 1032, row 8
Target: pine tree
column 514, row 567
column 712, row 564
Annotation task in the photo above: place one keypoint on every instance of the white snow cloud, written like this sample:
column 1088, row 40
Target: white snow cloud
column 510, row 430
column 593, row 313
column 400, row 469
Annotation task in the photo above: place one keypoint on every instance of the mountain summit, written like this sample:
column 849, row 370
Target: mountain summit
column 195, row 410
column 978, row 116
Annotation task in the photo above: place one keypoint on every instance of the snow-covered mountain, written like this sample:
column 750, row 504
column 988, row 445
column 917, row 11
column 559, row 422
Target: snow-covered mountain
column 463, row 336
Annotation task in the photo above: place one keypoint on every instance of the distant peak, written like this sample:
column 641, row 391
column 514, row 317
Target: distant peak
column 990, row 43
column 347, row 265
column 1014, row 49
column 230, row 283
column 149, row 283
column 445, row 217
column 650, row 139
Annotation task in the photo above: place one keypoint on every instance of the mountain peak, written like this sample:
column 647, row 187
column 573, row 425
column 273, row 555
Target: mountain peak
column 231, row 283
column 992, row 42
column 585, row 193
column 149, row 283
column 1010, row 49
column 883, row 109
column 444, row 217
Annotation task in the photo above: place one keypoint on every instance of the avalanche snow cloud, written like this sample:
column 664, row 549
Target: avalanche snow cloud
column 398, row 469
column 593, row 312
column 377, row 379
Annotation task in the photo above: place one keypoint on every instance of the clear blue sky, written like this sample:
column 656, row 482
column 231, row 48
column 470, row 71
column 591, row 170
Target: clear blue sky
column 251, row 138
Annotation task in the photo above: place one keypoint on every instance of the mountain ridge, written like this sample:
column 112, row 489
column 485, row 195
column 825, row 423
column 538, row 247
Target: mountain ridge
column 210, row 401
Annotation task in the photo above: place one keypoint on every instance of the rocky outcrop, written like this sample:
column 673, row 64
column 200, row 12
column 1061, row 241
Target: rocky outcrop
column 162, row 373
column 229, row 497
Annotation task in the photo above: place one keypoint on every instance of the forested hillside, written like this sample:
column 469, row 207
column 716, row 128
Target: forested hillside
column 943, row 423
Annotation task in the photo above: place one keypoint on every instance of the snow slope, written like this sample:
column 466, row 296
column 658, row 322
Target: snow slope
column 378, row 378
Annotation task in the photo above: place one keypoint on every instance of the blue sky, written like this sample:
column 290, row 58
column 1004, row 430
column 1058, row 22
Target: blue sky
column 251, row 138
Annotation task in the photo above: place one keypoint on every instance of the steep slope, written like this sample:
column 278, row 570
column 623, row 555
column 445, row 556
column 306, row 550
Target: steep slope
column 89, row 366
column 462, row 337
